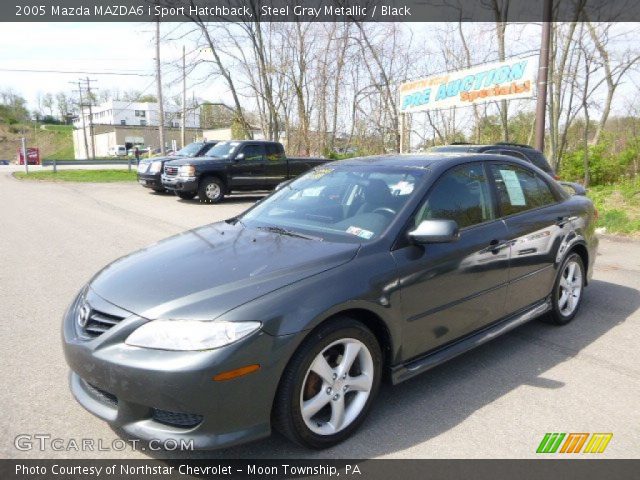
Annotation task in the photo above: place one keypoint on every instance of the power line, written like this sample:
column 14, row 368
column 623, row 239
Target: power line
column 76, row 72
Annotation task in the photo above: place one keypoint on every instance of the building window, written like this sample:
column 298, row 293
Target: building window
column 123, row 122
column 140, row 113
column 143, row 123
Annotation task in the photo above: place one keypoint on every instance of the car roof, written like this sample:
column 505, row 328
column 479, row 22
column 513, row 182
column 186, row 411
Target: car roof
column 424, row 160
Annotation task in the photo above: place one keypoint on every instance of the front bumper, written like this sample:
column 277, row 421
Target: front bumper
column 150, row 180
column 180, row 184
column 160, row 395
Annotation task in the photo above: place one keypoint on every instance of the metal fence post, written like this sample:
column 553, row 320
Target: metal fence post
column 55, row 166
column 129, row 163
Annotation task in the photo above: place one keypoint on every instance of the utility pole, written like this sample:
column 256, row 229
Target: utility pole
column 159, row 85
column 84, row 126
column 91, row 129
column 543, row 74
column 183, row 133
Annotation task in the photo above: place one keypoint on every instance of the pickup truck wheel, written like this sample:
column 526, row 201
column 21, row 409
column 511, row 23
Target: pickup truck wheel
column 186, row 195
column 211, row 190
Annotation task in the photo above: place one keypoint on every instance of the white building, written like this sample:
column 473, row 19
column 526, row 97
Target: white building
column 117, row 112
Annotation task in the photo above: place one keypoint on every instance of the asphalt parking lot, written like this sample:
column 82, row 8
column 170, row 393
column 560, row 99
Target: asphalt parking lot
column 495, row 402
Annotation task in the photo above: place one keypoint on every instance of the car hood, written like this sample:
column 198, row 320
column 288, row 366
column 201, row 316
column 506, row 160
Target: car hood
column 196, row 160
column 161, row 159
column 203, row 273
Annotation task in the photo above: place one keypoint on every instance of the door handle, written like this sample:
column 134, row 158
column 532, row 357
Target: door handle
column 560, row 221
column 496, row 245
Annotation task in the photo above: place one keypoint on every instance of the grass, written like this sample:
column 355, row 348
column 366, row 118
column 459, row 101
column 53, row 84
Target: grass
column 618, row 207
column 95, row 176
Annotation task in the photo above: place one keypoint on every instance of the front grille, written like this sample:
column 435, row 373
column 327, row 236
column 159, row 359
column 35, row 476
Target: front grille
column 104, row 397
column 171, row 171
column 176, row 419
column 99, row 322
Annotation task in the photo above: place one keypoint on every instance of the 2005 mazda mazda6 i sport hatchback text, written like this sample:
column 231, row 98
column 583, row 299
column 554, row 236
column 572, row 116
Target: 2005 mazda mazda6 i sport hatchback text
column 290, row 314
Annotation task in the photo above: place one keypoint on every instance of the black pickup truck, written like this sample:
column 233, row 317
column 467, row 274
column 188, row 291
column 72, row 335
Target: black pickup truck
column 235, row 165
column 150, row 169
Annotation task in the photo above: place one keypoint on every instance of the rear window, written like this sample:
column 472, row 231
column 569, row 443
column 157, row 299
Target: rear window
column 539, row 160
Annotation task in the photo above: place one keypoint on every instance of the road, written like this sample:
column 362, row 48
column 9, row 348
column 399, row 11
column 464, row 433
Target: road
column 495, row 402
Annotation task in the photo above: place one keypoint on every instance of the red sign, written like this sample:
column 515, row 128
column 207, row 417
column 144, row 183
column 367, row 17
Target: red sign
column 33, row 154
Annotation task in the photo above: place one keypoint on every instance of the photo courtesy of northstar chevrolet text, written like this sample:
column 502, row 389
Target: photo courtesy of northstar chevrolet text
column 273, row 238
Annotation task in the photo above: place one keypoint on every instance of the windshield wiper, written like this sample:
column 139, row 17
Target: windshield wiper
column 284, row 231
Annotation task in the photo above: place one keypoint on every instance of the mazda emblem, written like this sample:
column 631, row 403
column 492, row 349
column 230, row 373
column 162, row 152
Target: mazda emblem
column 83, row 315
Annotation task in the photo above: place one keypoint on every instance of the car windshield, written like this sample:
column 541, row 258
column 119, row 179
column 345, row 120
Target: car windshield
column 190, row 150
column 223, row 149
column 339, row 203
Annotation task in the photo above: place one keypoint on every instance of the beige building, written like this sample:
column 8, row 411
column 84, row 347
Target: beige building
column 225, row 134
column 108, row 136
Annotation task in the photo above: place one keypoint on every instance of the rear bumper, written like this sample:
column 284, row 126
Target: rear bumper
column 180, row 184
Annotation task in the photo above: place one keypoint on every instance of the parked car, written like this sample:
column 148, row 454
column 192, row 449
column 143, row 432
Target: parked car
column 118, row 151
column 289, row 315
column 246, row 165
column 516, row 150
column 150, row 169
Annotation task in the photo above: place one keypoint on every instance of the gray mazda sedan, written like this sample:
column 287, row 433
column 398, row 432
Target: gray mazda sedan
column 290, row 315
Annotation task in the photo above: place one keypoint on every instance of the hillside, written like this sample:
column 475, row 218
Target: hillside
column 54, row 141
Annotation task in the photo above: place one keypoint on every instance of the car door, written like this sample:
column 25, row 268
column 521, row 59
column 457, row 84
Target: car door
column 536, row 226
column 449, row 290
column 247, row 167
column 275, row 165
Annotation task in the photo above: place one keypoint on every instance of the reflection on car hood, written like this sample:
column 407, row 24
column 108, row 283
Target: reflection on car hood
column 203, row 273
column 195, row 160
column 161, row 159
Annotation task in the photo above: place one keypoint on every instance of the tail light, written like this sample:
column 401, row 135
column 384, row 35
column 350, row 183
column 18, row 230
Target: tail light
column 556, row 177
column 595, row 214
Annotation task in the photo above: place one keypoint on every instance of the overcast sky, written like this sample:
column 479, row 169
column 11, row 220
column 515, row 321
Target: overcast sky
column 129, row 48
column 92, row 47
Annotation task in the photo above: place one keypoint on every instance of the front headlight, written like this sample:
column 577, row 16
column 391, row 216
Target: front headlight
column 189, row 334
column 187, row 171
column 155, row 167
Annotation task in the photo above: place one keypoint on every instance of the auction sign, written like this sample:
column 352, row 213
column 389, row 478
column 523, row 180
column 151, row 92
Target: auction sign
column 484, row 83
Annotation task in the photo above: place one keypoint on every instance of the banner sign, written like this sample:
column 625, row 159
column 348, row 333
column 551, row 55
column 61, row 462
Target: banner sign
column 494, row 81
column 33, row 154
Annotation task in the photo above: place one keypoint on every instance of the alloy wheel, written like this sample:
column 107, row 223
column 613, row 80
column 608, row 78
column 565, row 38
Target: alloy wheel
column 336, row 386
column 570, row 288
column 212, row 191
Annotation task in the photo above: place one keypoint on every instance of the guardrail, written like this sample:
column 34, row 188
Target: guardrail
column 115, row 161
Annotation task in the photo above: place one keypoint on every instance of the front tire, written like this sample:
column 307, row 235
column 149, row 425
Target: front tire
column 329, row 385
column 211, row 190
column 567, row 290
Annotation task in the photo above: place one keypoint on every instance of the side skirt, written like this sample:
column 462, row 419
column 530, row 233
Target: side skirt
column 416, row 366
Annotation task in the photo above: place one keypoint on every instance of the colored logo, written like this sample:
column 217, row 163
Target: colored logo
column 574, row 442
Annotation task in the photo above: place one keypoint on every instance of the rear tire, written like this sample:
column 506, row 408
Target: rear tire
column 159, row 190
column 211, row 190
column 568, row 290
column 186, row 195
column 319, row 410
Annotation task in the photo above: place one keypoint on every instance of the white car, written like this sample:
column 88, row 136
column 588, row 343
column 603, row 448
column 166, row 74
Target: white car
column 118, row 151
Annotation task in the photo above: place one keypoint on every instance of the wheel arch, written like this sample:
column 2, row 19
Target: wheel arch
column 219, row 175
column 581, row 250
column 370, row 319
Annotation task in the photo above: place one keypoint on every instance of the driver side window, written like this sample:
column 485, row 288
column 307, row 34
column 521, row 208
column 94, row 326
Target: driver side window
column 253, row 153
column 461, row 194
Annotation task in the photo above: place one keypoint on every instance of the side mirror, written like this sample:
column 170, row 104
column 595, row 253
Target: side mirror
column 435, row 231
column 239, row 157
column 573, row 188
